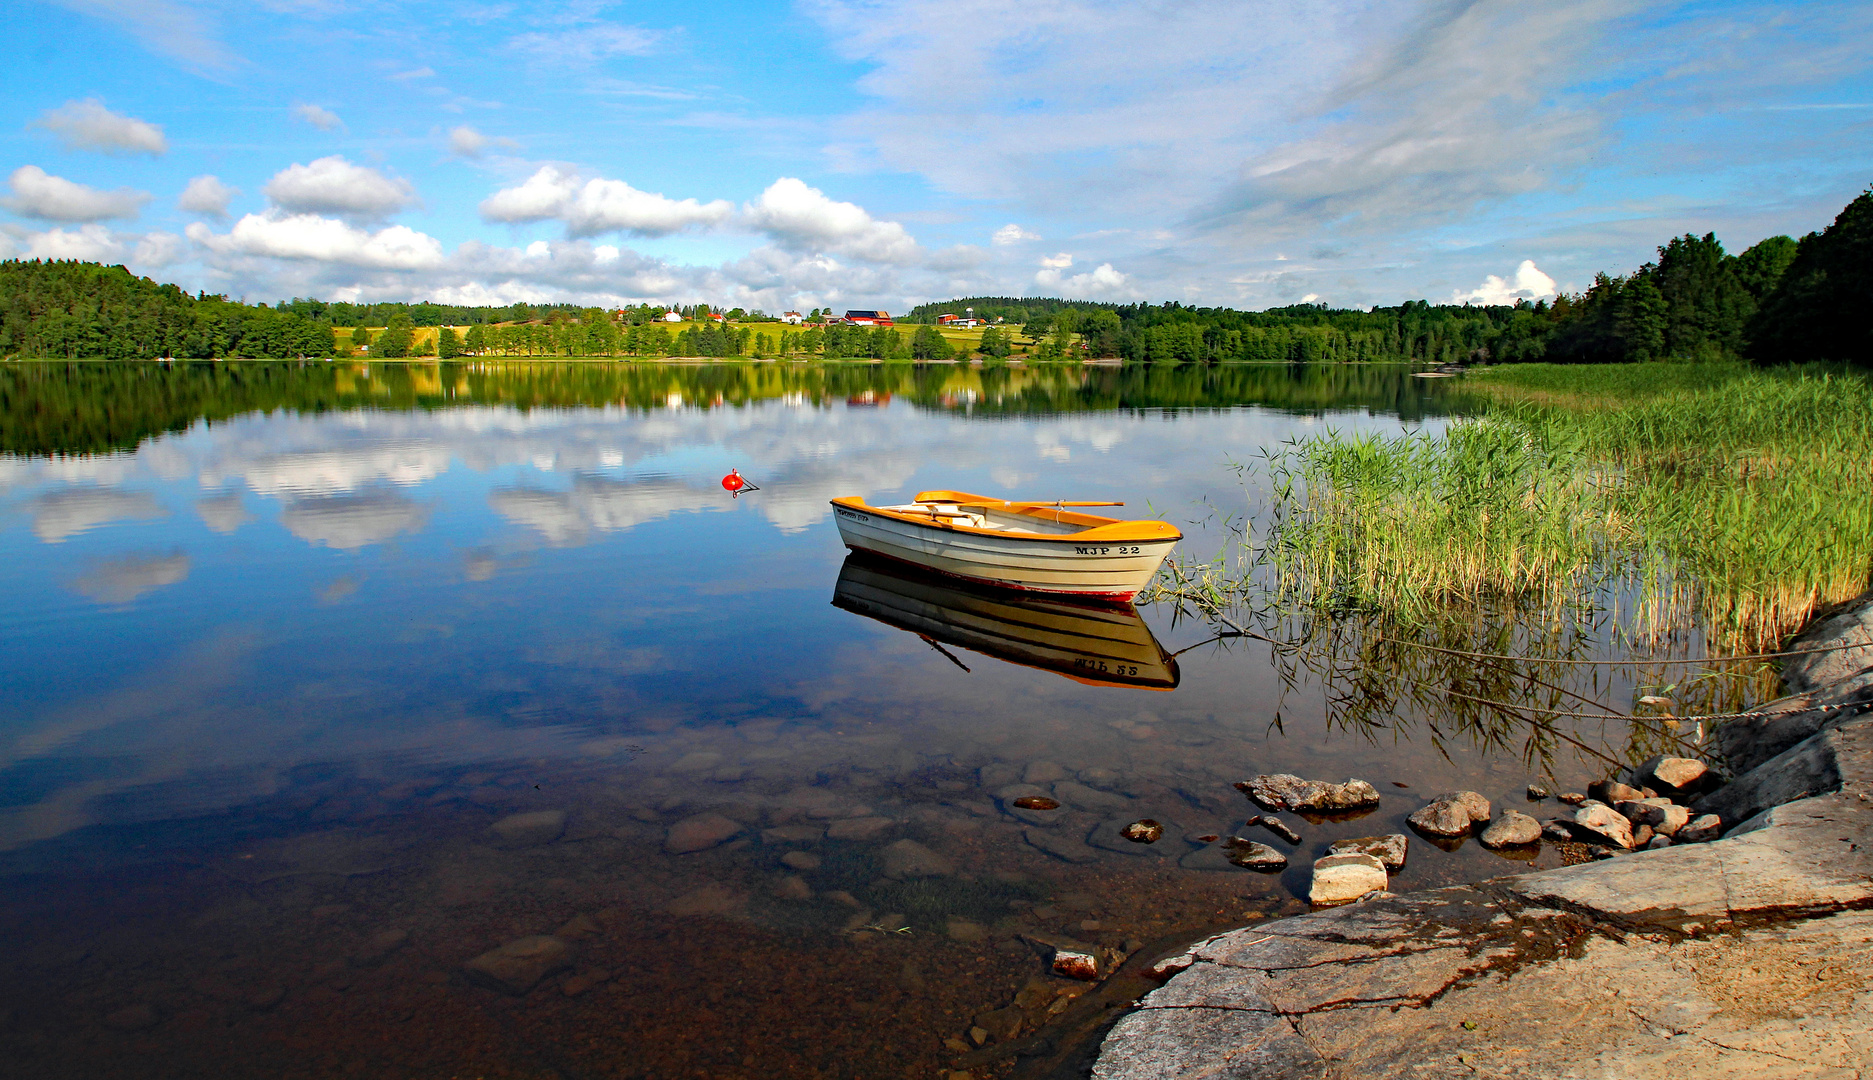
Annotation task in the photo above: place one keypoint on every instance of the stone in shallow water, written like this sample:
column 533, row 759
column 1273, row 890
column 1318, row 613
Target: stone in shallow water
column 708, row 900
column 1285, row 791
column 801, row 860
column 1088, row 798
column 1511, row 829
column 1036, row 802
column 1060, row 847
column 1278, row 827
column 792, row 887
column 1662, row 815
column 909, row 859
column 1143, row 831
column 1389, row 849
column 1253, row 856
column 861, row 828
column 528, row 829
column 1443, row 817
column 1044, row 772
column 699, row 833
column 1342, row 879
column 965, row 931
column 1612, row 792
column 516, row 966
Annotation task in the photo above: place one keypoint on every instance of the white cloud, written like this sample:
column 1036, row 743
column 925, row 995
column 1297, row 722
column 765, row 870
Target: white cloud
column 1057, row 262
column 158, row 249
column 799, row 216
column 165, row 27
column 1528, row 283
column 87, row 243
column 594, row 207
column 207, row 195
column 39, row 194
column 585, row 45
column 1102, row 283
column 354, row 521
column 465, row 141
column 322, row 118
column 88, row 125
column 1013, row 234
column 322, row 239
column 424, row 72
column 69, row 512
column 332, row 185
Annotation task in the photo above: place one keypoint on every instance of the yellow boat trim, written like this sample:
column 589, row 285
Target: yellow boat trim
column 1094, row 526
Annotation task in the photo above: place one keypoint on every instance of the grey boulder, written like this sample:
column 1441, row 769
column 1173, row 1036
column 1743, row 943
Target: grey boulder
column 1389, row 849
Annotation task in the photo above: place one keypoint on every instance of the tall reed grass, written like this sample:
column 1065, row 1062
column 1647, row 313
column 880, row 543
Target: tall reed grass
column 1735, row 498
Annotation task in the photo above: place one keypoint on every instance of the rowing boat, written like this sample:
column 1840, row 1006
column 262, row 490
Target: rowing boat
column 1096, row 645
column 1050, row 547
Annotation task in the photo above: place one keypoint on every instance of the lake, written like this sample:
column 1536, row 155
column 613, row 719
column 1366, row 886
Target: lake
column 322, row 680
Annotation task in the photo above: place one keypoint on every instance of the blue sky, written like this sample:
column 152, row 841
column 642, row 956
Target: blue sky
column 873, row 153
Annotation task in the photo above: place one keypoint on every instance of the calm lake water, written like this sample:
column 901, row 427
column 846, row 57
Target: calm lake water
column 288, row 647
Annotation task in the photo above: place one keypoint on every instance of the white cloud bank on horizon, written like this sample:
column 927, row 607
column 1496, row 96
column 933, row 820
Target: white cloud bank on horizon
column 88, row 125
column 1528, row 283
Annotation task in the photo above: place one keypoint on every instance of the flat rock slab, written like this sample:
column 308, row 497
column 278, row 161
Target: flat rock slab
column 700, row 833
column 528, row 829
column 516, row 966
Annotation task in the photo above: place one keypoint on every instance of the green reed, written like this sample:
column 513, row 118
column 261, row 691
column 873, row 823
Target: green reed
column 1722, row 497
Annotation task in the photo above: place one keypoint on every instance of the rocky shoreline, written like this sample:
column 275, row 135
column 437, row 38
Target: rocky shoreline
column 1748, row 953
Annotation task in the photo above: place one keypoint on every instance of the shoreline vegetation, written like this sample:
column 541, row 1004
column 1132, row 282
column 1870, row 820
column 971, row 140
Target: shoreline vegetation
column 1780, row 300
column 1648, row 514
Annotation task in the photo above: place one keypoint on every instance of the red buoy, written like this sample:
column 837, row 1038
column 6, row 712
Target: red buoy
column 733, row 482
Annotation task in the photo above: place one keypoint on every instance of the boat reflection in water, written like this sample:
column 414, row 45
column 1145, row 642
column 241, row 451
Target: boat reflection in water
column 1098, row 646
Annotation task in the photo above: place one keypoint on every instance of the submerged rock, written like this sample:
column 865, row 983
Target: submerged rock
column 1389, row 849
column 1510, row 830
column 516, row 966
column 801, row 860
column 1036, row 802
column 859, row 828
column 1285, row 791
column 1342, row 879
column 699, row 833
column 1060, row 847
column 909, row 859
column 533, row 827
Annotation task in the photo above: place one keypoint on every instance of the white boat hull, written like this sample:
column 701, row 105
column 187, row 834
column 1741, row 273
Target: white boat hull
column 1092, row 569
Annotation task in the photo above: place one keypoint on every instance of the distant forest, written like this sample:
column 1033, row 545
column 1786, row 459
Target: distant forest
column 1780, row 300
